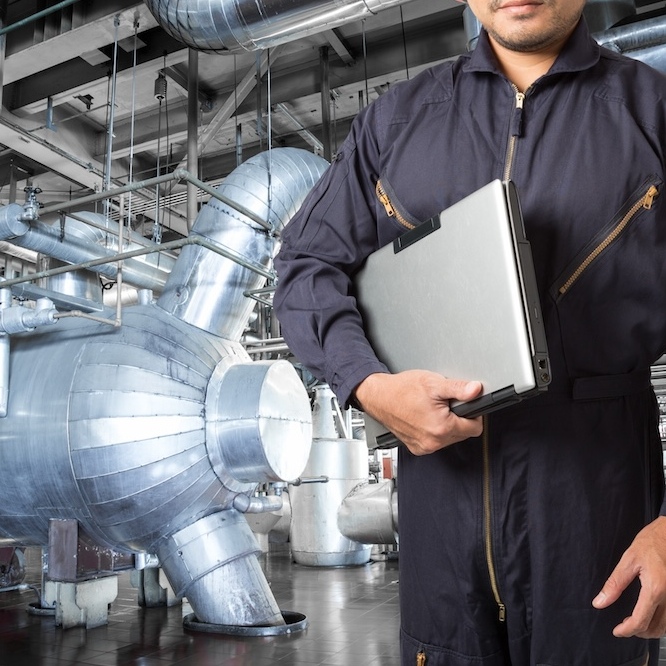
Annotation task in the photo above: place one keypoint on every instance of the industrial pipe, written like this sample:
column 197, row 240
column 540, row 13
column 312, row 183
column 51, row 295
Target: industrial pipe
column 37, row 16
column 199, row 290
column 233, row 26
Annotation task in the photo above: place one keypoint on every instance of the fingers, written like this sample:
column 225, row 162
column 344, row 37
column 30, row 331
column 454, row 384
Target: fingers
column 617, row 582
column 415, row 406
column 644, row 559
column 466, row 391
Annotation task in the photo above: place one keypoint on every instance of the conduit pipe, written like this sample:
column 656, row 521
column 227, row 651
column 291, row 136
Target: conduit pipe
column 232, row 26
column 37, row 16
column 178, row 174
column 51, row 241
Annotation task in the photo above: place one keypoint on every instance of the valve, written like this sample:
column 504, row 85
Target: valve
column 31, row 206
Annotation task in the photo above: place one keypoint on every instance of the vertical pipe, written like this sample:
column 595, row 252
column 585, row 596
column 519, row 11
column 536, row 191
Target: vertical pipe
column 192, row 138
column 3, row 45
column 239, row 145
column 12, row 168
column 325, row 101
column 112, row 115
column 5, row 302
column 260, row 121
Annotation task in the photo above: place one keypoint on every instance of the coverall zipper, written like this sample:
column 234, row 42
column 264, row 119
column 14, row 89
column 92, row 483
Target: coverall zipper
column 487, row 524
column 420, row 658
column 644, row 202
column 390, row 209
column 515, row 130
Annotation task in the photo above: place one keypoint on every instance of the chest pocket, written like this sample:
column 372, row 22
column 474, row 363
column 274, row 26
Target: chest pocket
column 607, row 295
column 394, row 210
column 641, row 201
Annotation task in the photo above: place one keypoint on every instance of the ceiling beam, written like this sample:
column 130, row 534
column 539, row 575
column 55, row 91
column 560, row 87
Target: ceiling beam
column 63, row 82
column 339, row 45
column 94, row 34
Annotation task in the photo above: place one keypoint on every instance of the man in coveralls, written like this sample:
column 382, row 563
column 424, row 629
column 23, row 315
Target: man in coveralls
column 533, row 537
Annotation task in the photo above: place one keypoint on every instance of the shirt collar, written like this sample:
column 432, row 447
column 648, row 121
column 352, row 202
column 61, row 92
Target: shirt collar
column 579, row 53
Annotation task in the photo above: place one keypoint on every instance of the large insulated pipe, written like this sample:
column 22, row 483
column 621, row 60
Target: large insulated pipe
column 232, row 26
column 369, row 514
column 53, row 240
column 207, row 290
column 642, row 40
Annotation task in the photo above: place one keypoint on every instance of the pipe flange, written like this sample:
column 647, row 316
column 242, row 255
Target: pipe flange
column 293, row 622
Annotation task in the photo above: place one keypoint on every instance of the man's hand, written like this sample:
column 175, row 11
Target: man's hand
column 645, row 558
column 414, row 406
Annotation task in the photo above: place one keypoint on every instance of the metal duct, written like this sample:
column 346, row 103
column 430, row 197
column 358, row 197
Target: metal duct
column 232, row 26
column 79, row 284
column 146, row 434
column 369, row 514
column 205, row 289
column 53, row 240
column 643, row 40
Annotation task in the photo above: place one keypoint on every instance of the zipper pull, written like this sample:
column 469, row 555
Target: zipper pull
column 650, row 196
column 502, row 613
column 517, row 120
column 420, row 659
column 384, row 199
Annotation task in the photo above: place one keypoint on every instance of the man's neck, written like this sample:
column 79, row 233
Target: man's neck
column 523, row 69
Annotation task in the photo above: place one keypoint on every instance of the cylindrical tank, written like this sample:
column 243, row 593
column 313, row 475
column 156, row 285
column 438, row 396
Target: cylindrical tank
column 138, row 432
column 315, row 537
column 120, row 428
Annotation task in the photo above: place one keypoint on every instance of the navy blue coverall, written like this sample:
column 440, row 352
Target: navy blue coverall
column 505, row 540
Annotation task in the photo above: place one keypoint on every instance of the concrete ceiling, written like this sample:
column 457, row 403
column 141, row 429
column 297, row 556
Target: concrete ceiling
column 59, row 83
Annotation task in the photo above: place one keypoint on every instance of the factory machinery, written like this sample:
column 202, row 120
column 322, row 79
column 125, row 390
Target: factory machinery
column 148, row 428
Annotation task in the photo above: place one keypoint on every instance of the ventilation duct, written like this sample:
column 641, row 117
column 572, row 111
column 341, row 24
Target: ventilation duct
column 232, row 26
column 642, row 40
column 205, row 289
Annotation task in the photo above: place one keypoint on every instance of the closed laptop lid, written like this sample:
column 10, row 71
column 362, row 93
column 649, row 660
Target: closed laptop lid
column 458, row 296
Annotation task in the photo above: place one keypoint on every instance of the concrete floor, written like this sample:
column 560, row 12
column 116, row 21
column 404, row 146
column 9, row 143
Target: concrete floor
column 352, row 613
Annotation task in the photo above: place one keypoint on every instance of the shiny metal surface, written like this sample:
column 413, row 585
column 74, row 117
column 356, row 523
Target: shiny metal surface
column 642, row 41
column 238, row 25
column 146, row 434
column 80, row 284
column 315, row 537
column 149, row 271
column 205, row 289
column 369, row 514
column 213, row 562
column 251, row 425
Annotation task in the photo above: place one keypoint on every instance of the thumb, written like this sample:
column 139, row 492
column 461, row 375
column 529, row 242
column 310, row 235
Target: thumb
column 617, row 582
column 467, row 390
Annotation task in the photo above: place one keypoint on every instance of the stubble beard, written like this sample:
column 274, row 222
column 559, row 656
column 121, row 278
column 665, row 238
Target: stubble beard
column 524, row 40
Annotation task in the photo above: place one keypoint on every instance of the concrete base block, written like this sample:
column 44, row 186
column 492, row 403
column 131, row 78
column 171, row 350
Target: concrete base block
column 86, row 603
column 154, row 589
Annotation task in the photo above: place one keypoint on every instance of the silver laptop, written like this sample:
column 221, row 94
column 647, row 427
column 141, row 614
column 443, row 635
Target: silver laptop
column 457, row 295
